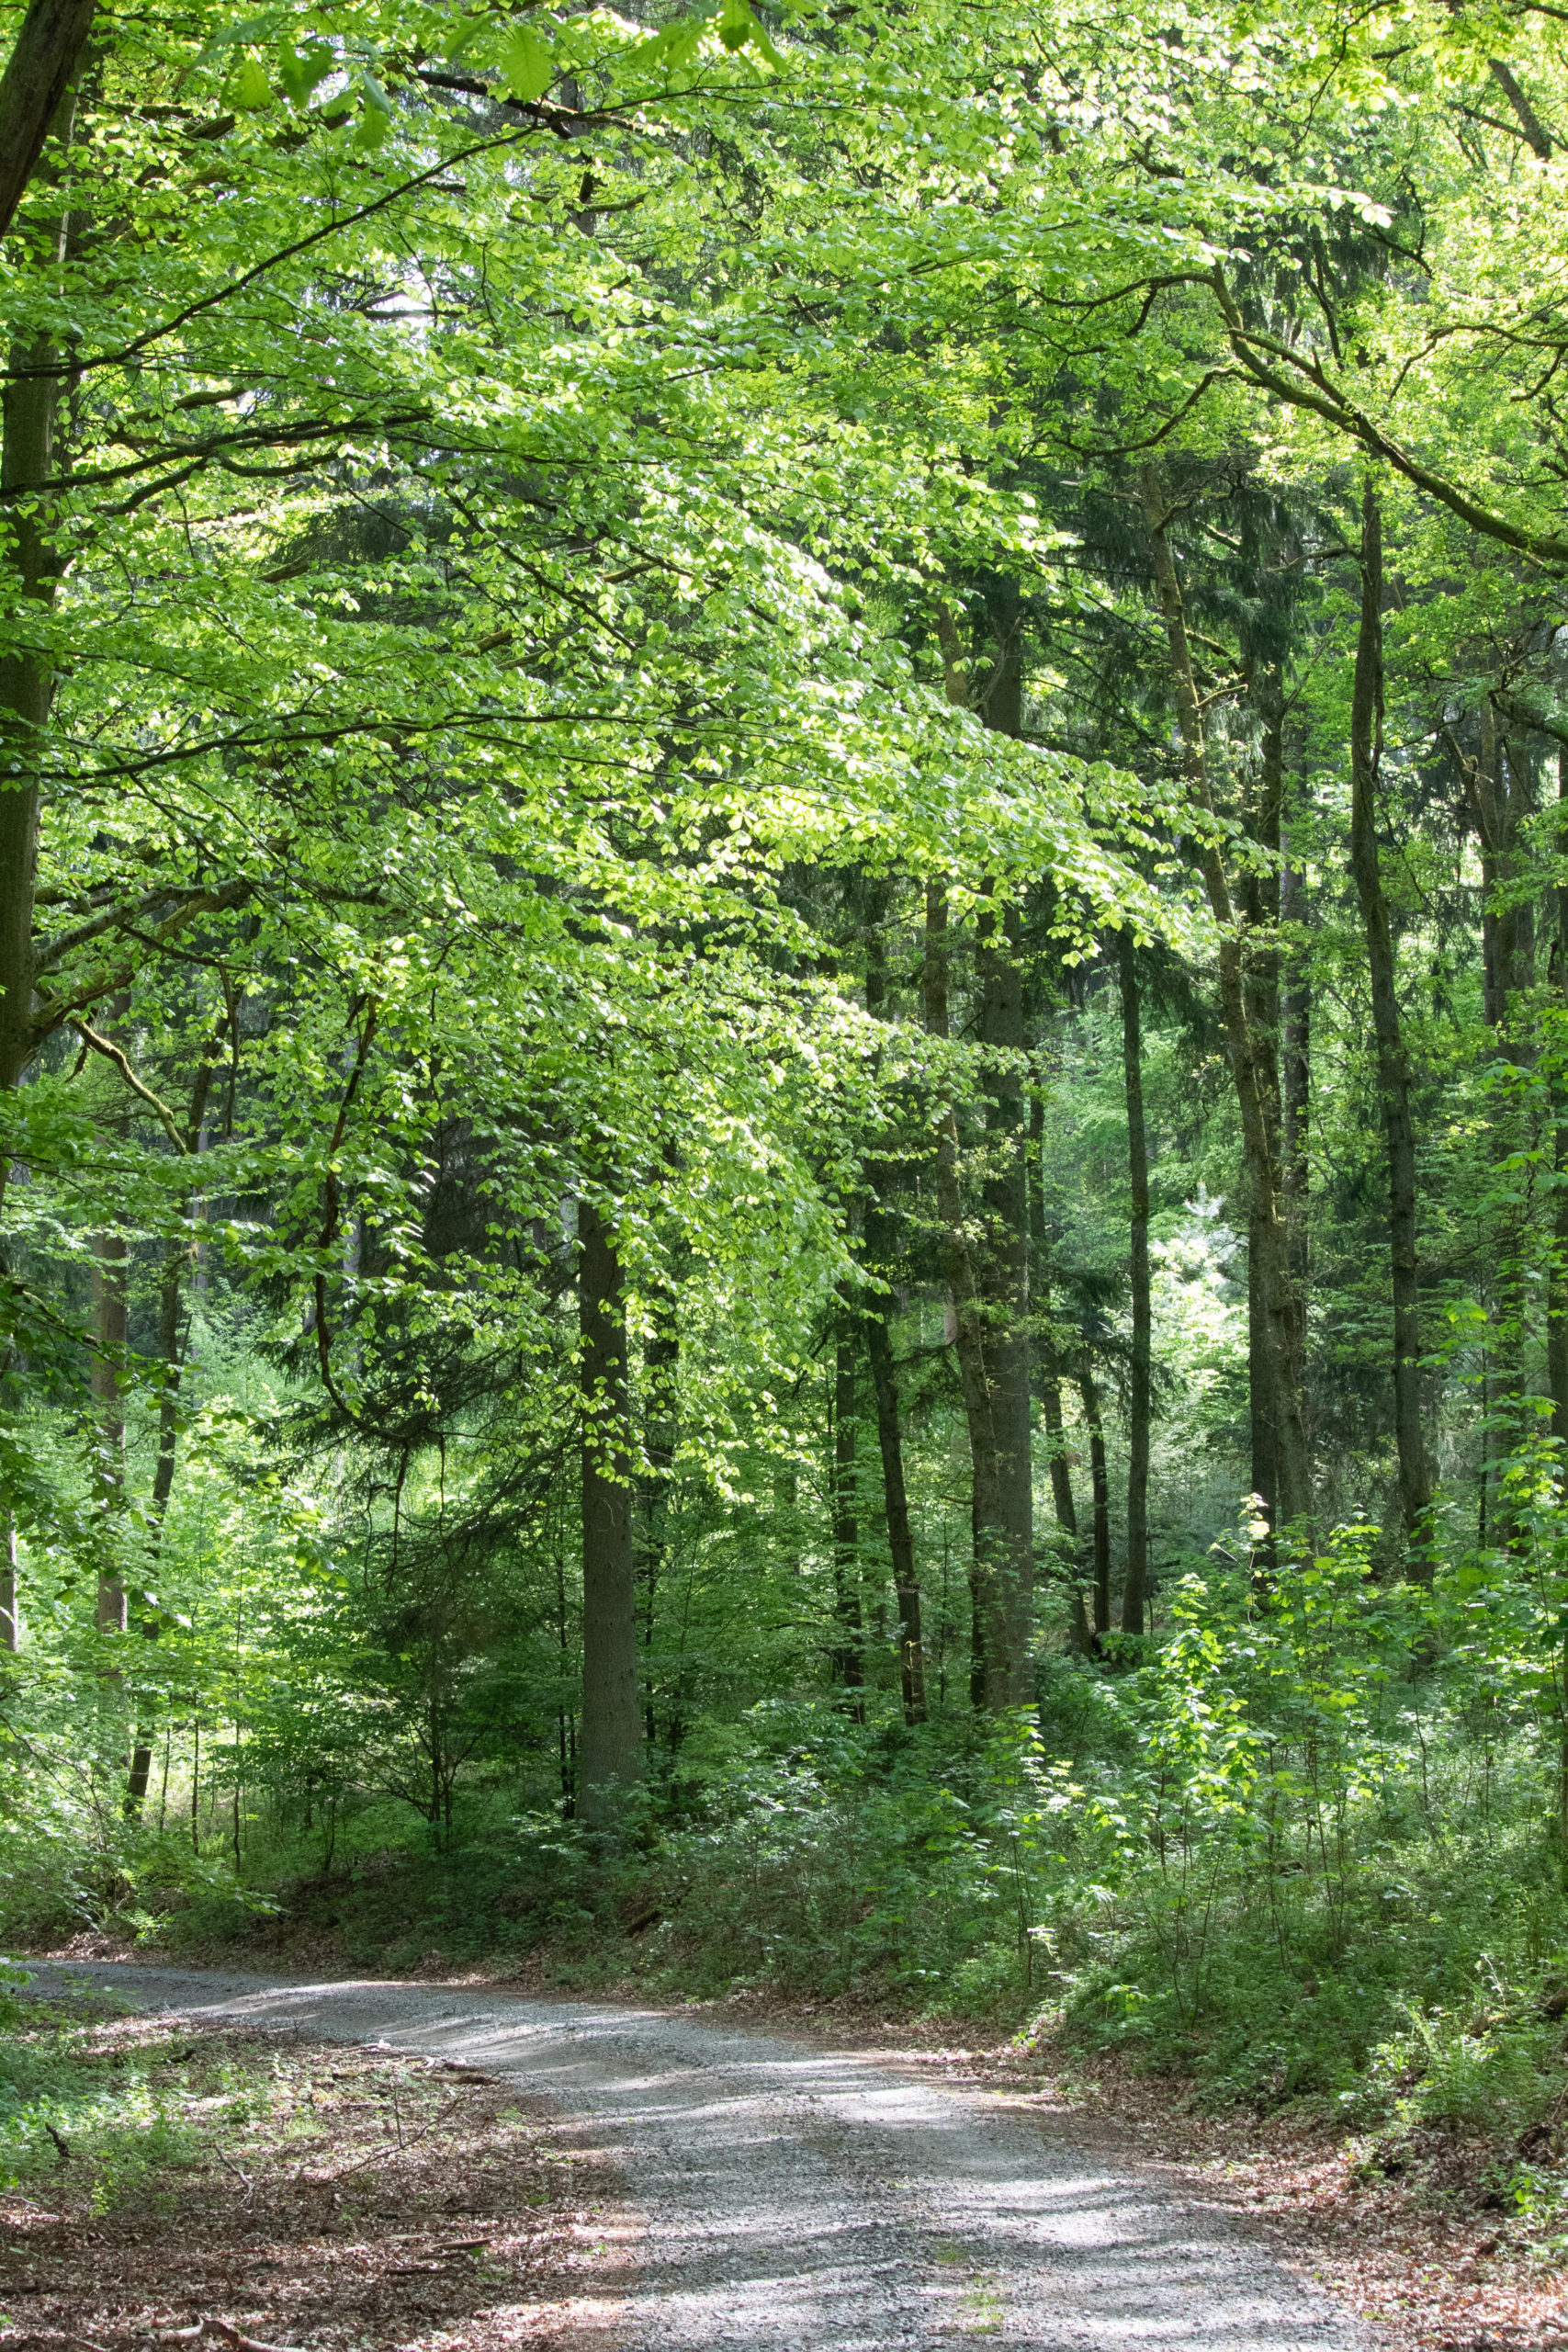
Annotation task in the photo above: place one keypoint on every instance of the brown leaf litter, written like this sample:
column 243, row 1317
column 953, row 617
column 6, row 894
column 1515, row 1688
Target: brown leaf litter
column 312, row 2197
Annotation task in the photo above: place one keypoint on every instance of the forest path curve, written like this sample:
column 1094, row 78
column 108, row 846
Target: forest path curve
column 796, row 2198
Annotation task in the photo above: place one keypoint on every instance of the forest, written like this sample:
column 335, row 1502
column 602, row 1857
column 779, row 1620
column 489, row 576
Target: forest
column 783, row 1012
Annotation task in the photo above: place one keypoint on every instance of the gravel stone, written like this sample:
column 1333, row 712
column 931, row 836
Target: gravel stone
column 786, row 2198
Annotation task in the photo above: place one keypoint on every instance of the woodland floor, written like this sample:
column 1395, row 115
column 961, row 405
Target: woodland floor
column 346, row 2199
column 1427, row 2259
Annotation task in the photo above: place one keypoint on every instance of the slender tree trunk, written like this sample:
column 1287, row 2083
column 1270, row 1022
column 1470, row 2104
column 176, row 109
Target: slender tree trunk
column 10, row 1598
column 39, row 71
column 1557, row 1282
column 1296, row 1056
column 1393, row 1068
column 610, row 1745
column 958, row 1271
column 1259, row 895
column 1088, row 1391
column 885, row 1383
column 1266, row 1228
column 900, row 1542
column 662, row 1354
column 1498, row 787
column 1135, row 1586
column 849, row 1656
column 1005, row 1529
column 178, row 1258
column 109, row 1269
column 28, row 415
column 1048, row 1382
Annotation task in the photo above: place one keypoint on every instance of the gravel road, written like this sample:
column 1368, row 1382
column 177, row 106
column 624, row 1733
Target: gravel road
column 793, row 2199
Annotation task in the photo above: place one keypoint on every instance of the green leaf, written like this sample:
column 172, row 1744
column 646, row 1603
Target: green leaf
column 300, row 72
column 528, row 65
column 375, row 115
column 252, row 91
column 736, row 24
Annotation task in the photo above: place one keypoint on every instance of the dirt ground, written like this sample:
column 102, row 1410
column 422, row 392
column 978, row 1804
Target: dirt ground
column 350, row 2200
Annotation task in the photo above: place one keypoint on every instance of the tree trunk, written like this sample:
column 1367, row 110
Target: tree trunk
column 849, row 1656
column 1499, row 795
column 28, row 414
column 958, row 1271
column 109, row 1268
column 1139, row 1401
column 900, row 1542
column 178, row 1258
column 1266, row 1219
column 1258, row 894
column 1393, row 1068
column 1048, row 1383
column 1005, row 1528
column 662, row 1354
column 1295, row 1072
column 10, row 1600
column 49, row 40
column 1557, row 1280
column 610, row 1742
column 1088, row 1390
column 885, row 1383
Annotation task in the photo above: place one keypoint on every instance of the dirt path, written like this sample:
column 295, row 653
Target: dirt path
column 791, row 2199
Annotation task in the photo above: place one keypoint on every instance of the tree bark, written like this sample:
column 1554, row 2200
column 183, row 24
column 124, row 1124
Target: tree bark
column 29, row 413
column 109, row 1318
column 885, row 1381
column 1258, row 895
column 610, row 1741
column 1393, row 1068
column 38, row 74
column 1500, row 798
column 1005, row 1524
column 661, row 1355
column 1295, row 1072
column 849, row 1655
column 1048, row 1382
column 1557, row 1279
column 1266, row 1219
column 1088, row 1390
column 900, row 1541
column 1134, row 1586
column 10, row 1598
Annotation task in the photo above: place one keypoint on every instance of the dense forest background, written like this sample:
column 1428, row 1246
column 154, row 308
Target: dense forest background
column 783, row 1009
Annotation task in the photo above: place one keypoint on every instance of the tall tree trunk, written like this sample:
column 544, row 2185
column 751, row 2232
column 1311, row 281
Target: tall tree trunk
column 1005, row 1528
column 989, row 1285
column 178, row 1258
column 1499, row 792
column 109, row 1270
column 49, row 41
column 661, row 1355
column 958, row 1270
column 1295, row 1073
column 884, row 1376
column 10, row 1598
column 849, row 1655
column 1048, row 1383
column 610, row 1743
column 1557, row 1280
column 1088, row 1391
column 28, row 414
column 900, row 1541
column 1134, row 1588
column 1267, row 1227
column 1393, row 1068
column 1259, row 896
